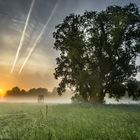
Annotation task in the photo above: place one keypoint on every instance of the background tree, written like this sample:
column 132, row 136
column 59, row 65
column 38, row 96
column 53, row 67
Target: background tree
column 133, row 88
column 98, row 51
column 17, row 92
column 37, row 91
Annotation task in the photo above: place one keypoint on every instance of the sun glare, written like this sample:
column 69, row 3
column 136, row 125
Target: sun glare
column 2, row 93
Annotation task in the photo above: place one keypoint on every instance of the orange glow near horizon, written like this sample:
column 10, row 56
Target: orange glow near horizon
column 2, row 92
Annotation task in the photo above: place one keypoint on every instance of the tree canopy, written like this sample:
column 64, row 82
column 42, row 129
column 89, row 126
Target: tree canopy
column 133, row 88
column 98, row 51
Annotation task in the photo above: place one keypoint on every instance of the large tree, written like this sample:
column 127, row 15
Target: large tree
column 98, row 51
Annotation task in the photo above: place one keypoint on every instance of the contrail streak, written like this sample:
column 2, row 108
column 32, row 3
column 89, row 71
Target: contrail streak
column 23, row 35
column 38, row 38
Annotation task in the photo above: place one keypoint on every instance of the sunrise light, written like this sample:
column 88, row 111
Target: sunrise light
column 2, row 92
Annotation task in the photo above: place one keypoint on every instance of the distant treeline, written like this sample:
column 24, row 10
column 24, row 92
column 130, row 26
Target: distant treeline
column 17, row 92
column 34, row 92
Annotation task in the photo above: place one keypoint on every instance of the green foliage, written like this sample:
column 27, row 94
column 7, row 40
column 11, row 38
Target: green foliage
column 69, row 122
column 98, row 50
column 117, row 90
column 133, row 87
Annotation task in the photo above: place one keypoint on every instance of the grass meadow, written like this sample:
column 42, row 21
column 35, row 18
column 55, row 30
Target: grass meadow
column 69, row 122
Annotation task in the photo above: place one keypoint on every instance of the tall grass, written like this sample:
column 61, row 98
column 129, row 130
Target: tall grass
column 69, row 122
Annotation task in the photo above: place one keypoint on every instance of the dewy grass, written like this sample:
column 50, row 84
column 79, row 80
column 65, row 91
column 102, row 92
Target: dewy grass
column 69, row 122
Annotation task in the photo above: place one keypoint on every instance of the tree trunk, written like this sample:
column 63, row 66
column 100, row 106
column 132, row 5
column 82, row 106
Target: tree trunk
column 98, row 98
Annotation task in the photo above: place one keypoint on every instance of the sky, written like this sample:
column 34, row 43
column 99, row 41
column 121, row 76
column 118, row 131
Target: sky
column 39, row 69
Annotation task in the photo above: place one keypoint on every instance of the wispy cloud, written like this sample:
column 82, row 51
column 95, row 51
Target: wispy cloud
column 39, row 37
column 23, row 36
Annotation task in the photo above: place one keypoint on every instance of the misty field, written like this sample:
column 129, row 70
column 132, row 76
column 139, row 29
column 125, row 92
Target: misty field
column 69, row 122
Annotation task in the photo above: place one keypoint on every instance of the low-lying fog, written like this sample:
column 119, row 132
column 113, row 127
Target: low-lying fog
column 65, row 99
column 123, row 100
column 49, row 100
